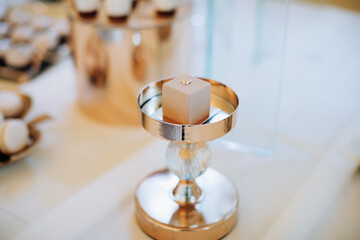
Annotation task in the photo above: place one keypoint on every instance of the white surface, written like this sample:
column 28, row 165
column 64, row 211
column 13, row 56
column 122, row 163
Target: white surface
column 265, row 187
column 299, row 219
column 74, row 150
column 79, row 184
column 112, row 209
column 10, row 225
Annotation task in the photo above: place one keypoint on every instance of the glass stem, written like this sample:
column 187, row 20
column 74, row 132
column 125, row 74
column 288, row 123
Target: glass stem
column 187, row 161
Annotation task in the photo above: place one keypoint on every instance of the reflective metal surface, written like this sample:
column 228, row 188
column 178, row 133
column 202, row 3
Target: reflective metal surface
column 162, row 218
column 221, row 122
column 114, row 61
column 187, row 201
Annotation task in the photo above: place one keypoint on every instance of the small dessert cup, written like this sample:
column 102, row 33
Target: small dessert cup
column 118, row 10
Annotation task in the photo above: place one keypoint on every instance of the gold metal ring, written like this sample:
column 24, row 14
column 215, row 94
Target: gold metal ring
column 222, row 97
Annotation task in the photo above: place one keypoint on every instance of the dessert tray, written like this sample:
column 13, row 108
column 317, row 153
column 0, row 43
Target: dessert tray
column 34, row 136
column 40, row 59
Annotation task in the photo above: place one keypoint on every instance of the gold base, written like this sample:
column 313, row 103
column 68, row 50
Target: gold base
column 161, row 217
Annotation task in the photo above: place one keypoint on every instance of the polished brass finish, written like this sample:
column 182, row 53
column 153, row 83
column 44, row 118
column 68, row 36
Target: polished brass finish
column 222, row 97
column 115, row 60
column 188, row 200
column 162, row 218
column 96, row 61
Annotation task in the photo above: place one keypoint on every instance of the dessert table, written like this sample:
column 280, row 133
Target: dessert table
column 80, row 182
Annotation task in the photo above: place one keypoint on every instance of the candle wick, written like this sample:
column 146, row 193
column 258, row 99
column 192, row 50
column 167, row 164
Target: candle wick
column 185, row 81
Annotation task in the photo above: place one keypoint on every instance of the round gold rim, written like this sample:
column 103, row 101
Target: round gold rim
column 161, row 231
column 190, row 133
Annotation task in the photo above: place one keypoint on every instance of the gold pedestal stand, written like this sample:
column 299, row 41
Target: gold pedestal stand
column 188, row 200
column 114, row 60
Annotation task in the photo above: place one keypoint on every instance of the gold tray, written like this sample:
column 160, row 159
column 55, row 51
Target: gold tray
column 224, row 103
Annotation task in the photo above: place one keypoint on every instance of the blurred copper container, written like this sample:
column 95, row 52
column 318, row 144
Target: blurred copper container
column 114, row 60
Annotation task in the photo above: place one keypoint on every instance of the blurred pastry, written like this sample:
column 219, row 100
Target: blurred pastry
column 166, row 7
column 46, row 41
column 22, row 34
column 29, row 38
column 19, row 56
column 11, row 104
column 62, row 26
column 14, row 136
column 4, row 29
column 118, row 9
column 4, row 46
column 41, row 23
column 18, row 17
column 87, row 8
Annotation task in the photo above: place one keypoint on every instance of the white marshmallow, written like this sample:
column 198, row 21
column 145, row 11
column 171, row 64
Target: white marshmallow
column 22, row 34
column 18, row 17
column 10, row 103
column 118, row 8
column 14, row 136
column 87, row 5
column 166, row 5
column 47, row 40
column 62, row 26
column 41, row 23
